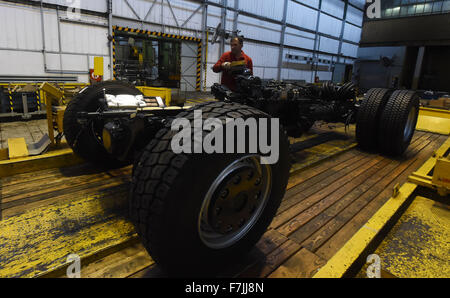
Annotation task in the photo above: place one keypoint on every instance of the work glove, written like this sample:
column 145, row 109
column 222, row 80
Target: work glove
column 226, row 66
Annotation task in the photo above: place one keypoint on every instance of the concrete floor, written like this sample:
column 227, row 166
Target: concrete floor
column 32, row 131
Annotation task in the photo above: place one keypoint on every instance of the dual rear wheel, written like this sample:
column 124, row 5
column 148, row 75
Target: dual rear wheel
column 386, row 121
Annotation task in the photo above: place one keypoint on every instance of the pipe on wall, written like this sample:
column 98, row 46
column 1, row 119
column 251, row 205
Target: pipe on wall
column 44, row 51
column 110, row 34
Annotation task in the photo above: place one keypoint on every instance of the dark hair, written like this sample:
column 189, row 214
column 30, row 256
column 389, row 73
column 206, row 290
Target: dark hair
column 239, row 38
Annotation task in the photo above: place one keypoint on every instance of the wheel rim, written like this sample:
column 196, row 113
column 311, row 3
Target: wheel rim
column 409, row 127
column 234, row 202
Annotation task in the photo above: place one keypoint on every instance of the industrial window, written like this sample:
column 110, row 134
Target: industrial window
column 148, row 61
column 406, row 8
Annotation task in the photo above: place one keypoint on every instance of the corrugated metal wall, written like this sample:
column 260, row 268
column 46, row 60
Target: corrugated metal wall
column 260, row 21
column 157, row 16
column 334, row 38
column 70, row 48
column 93, row 5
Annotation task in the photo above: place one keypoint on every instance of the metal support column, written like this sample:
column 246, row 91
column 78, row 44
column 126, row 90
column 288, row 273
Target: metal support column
column 205, row 37
column 163, row 28
column 110, row 36
column 223, row 22
column 418, row 70
column 59, row 40
column 341, row 37
column 316, row 42
column 25, row 115
column 236, row 15
column 283, row 31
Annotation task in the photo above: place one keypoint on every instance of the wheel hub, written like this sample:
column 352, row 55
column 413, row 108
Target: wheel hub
column 409, row 127
column 234, row 202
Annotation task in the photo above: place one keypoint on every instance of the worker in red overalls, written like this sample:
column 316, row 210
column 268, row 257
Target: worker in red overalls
column 224, row 63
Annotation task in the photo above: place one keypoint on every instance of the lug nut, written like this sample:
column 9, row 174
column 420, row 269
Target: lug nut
column 237, row 180
column 224, row 193
column 258, row 181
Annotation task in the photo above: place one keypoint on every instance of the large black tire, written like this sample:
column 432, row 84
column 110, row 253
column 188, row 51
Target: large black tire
column 398, row 122
column 170, row 194
column 368, row 118
column 87, row 142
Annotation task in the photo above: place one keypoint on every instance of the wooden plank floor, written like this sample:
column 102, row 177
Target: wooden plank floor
column 324, row 206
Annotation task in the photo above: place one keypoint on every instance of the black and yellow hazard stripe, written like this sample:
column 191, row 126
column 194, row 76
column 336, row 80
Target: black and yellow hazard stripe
column 157, row 34
column 63, row 95
column 199, row 66
column 38, row 98
column 11, row 104
column 114, row 54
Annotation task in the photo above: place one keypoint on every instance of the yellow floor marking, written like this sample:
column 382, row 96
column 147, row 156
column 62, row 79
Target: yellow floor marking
column 418, row 246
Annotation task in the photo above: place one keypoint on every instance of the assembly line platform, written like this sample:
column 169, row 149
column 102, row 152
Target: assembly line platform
column 328, row 220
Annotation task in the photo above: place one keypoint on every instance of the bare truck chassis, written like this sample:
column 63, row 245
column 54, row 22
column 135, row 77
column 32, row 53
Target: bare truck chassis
column 196, row 213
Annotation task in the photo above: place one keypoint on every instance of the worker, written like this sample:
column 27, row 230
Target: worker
column 224, row 63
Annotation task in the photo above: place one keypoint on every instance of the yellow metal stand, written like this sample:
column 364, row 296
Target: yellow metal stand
column 434, row 120
column 440, row 181
column 54, row 114
column 18, row 157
